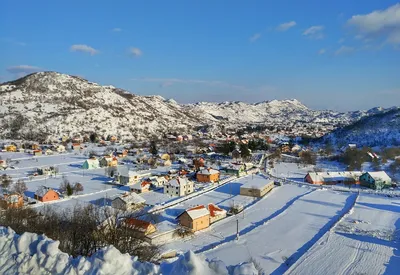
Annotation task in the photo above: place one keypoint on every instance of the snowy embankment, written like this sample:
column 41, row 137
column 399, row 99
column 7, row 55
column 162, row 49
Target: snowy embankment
column 364, row 242
column 36, row 254
column 279, row 242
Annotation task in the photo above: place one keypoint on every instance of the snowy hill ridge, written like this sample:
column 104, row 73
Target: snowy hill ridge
column 382, row 129
column 36, row 254
column 55, row 104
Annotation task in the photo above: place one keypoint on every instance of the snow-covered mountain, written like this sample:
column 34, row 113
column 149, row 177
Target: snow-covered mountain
column 380, row 129
column 57, row 104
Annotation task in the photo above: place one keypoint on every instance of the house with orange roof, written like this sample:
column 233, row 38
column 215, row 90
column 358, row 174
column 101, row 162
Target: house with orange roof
column 196, row 218
column 216, row 213
column 142, row 227
column 3, row 163
column 76, row 146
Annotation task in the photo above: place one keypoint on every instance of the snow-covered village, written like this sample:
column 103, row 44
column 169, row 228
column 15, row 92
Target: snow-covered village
column 200, row 137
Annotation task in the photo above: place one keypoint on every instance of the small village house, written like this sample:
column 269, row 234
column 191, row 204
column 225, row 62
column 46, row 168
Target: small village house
column 141, row 187
column 113, row 139
column 12, row 200
column 257, row 187
column 376, row 180
column 127, row 177
column 45, row 194
column 128, row 201
column 48, row 152
column 207, row 175
column 3, row 163
column 142, row 227
column 157, row 182
column 179, row 138
column 11, row 148
column 216, row 213
column 196, row 218
column 76, row 146
column 332, row 178
column 179, row 186
column 60, row 148
column 46, row 171
column 92, row 163
column 108, row 161
column 37, row 152
column 236, row 169
column 35, row 146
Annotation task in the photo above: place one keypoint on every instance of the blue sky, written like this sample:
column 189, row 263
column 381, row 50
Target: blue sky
column 342, row 54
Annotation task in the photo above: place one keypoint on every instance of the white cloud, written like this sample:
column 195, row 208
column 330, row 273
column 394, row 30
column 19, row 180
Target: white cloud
column 255, row 37
column 341, row 40
column 83, row 48
column 285, row 26
column 117, row 30
column 23, row 69
column 344, row 50
column 165, row 82
column 379, row 24
column 135, row 51
column 322, row 51
column 314, row 32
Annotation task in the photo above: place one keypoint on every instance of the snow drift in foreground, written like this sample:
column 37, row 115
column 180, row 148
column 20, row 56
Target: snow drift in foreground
column 36, row 254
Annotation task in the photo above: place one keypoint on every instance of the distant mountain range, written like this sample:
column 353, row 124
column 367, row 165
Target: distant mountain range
column 55, row 104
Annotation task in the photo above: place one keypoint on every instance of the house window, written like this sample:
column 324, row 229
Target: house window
column 177, row 192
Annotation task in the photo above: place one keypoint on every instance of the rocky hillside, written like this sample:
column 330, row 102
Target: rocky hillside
column 54, row 104
column 382, row 129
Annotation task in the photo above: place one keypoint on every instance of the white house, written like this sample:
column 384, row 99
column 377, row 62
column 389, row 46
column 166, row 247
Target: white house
column 157, row 181
column 179, row 186
column 129, row 201
column 60, row 148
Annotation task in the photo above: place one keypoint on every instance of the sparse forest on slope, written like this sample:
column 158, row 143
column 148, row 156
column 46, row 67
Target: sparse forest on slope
column 382, row 129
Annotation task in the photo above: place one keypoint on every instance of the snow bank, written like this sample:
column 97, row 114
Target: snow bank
column 36, row 254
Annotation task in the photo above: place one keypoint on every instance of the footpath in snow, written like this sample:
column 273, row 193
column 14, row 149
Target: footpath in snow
column 279, row 242
column 366, row 241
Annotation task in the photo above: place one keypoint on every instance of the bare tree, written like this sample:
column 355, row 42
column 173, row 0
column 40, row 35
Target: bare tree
column 78, row 187
column 20, row 187
column 5, row 181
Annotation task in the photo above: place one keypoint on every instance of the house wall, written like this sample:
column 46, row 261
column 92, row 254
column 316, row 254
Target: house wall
column 217, row 218
column 195, row 225
column 255, row 192
column 51, row 195
column 207, row 178
column 118, row 204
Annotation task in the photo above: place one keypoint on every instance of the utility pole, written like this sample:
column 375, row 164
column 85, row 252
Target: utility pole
column 237, row 229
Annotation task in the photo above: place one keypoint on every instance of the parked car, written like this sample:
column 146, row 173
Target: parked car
column 278, row 183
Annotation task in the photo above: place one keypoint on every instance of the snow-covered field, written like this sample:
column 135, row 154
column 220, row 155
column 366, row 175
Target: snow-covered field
column 280, row 241
column 364, row 242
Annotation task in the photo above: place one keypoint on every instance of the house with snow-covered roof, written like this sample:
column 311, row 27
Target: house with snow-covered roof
column 92, row 163
column 178, row 187
column 375, row 180
column 128, row 201
column 141, row 187
column 196, row 218
column 207, row 175
column 45, row 194
column 11, row 200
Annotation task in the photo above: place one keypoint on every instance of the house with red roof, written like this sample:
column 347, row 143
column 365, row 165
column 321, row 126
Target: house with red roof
column 140, row 226
column 141, row 186
column 216, row 213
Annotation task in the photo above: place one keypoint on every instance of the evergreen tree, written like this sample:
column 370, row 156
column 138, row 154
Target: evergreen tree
column 153, row 148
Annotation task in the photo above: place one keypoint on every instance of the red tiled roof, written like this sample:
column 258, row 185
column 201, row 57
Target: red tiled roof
column 137, row 223
column 196, row 208
column 213, row 208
